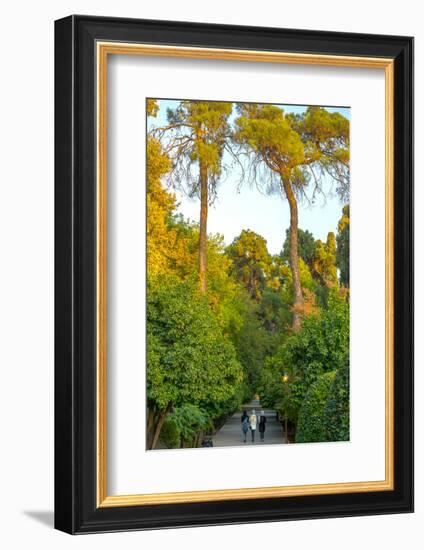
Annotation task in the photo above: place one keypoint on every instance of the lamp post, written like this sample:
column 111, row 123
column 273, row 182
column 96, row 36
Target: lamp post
column 285, row 379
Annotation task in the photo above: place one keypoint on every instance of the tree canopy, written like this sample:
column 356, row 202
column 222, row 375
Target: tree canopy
column 306, row 246
column 250, row 261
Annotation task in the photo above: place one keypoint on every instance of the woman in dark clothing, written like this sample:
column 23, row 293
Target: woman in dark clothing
column 262, row 422
column 245, row 424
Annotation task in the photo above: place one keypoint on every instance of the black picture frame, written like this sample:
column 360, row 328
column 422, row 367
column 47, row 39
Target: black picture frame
column 76, row 510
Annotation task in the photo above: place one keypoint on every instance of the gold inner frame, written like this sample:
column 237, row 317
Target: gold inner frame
column 103, row 50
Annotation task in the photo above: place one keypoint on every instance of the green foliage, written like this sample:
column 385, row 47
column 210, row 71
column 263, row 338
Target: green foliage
column 197, row 133
column 297, row 148
column 323, row 268
column 269, row 386
column 183, row 425
column 342, row 254
column 267, row 131
column 273, row 312
column 319, row 347
column 160, row 207
column 325, row 137
column 311, row 427
column 336, row 415
column 170, row 433
column 189, row 420
column 285, row 397
column 309, row 290
column 252, row 342
column 305, row 245
column 188, row 358
column 323, row 342
column 324, row 262
column 250, row 261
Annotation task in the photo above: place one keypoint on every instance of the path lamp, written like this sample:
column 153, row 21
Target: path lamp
column 285, row 380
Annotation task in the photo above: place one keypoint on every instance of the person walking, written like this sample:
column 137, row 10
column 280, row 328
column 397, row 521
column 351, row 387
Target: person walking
column 245, row 424
column 262, row 423
column 252, row 422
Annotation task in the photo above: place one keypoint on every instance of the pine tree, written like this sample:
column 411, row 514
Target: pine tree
column 290, row 154
column 196, row 136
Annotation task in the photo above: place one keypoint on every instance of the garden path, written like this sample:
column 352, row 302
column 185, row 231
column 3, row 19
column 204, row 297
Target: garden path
column 231, row 434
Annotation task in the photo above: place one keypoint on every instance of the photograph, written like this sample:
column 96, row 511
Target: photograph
column 247, row 292
column 233, row 252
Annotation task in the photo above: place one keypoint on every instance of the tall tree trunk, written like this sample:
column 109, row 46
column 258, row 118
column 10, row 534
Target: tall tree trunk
column 294, row 255
column 203, row 172
column 161, row 419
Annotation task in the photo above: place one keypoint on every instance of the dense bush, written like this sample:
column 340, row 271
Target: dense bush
column 336, row 415
column 311, row 426
column 322, row 343
column 190, row 420
column 170, row 434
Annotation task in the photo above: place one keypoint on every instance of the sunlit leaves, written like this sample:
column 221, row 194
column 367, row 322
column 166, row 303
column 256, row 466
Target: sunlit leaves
column 197, row 131
column 152, row 107
column 268, row 132
column 324, row 261
column 300, row 148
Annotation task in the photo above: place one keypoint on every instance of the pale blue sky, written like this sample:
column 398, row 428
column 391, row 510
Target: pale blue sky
column 246, row 208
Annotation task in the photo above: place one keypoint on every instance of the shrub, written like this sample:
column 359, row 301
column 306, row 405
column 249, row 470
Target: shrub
column 170, row 434
column 336, row 414
column 311, row 427
column 190, row 420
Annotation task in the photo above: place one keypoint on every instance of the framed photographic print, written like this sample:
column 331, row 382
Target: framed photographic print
column 234, row 274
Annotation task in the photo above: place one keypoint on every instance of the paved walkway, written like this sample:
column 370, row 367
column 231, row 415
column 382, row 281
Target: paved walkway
column 231, row 434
